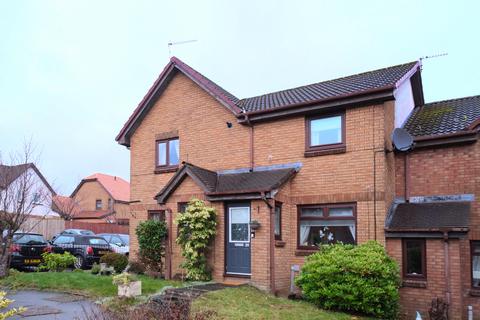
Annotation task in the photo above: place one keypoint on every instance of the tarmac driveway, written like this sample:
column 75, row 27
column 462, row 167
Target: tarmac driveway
column 43, row 305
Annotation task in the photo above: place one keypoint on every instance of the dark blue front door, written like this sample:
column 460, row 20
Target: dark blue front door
column 238, row 239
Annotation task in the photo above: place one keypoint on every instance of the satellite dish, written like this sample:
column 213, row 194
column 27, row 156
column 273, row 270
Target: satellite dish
column 402, row 140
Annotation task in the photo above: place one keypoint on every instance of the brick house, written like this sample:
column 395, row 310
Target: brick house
column 434, row 235
column 102, row 198
column 310, row 164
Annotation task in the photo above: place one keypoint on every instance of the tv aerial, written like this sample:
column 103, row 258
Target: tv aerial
column 402, row 140
column 175, row 43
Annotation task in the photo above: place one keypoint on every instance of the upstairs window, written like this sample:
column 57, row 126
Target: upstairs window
column 98, row 204
column 414, row 262
column 110, row 204
column 325, row 132
column 167, row 153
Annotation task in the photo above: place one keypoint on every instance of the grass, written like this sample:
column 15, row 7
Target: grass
column 249, row 303
column 78, row 282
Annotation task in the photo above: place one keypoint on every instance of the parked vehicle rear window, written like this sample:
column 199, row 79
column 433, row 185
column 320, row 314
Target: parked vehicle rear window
column 97, row 241
column 28, row 239
column 86, row 232
column 125, row 238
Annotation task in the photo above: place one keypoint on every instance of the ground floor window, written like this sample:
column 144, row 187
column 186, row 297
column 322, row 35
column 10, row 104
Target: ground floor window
column 156, row 215
column 475, row 254
column 278, row 221
column 414, row 259
column 323, row 224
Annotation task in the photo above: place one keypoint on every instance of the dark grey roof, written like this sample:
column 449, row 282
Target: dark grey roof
column 443, row 117
column 215, row 184
column 356, row 84
column 8, row 174
column 252, row 181
column 429, row 216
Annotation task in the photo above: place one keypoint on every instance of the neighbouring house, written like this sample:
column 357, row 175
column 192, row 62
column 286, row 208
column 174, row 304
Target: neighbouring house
column 435, row 234
column 98, row 199
column 313, row 164
column 42, row 218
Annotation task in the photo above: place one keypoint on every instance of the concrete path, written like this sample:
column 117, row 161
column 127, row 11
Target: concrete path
column 43, row 305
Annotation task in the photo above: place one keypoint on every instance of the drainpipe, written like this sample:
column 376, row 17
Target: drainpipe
column 447, row 267
column 169, row 247
column 407, row 177
column 247, row 120
column 272, row 243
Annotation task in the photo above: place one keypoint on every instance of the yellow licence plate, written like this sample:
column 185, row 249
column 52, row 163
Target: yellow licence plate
column 32, row 261
column 103, row 252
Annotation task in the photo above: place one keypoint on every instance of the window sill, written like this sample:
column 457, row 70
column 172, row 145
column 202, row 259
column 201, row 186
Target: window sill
column 323, row 152
column 475, row 292
column 280, row 243
column 410, row 283
column 305, row 252
column 165, row 169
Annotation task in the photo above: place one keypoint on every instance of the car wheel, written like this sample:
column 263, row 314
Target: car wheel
column 79, row 262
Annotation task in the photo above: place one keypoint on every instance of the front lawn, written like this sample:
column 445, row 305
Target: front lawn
column 249, row 303
column 77, row 282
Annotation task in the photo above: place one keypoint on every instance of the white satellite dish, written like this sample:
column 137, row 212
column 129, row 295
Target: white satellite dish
column 402, row 140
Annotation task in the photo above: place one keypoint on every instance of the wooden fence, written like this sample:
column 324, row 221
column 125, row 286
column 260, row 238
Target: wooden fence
column 47, row 226
column 97, row 227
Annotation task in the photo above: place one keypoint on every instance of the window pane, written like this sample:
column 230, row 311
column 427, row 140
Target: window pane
column 414, row 250
column 173, row 152
column 162, row 154
column 98, row 204
column 239, row 231
column 239, row 224
column 475, row 264
column 311, row 212
column 314, row 233
column 326, row 131
column 340, row 212
column 278, row 211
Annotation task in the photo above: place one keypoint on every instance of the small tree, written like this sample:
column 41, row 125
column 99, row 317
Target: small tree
column 197, row 227
column 4, row 303
column 151, row 236
column 20, row 193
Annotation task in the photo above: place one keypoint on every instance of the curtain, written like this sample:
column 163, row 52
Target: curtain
column 304, row 232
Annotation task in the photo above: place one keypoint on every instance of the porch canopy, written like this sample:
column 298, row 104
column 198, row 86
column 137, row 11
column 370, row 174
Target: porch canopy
column 430, row 220
column 233, row 184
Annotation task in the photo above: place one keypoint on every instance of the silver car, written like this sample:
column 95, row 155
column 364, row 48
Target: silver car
column 119, row 243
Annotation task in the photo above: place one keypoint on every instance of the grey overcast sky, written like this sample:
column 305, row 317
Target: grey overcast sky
column 71, row 72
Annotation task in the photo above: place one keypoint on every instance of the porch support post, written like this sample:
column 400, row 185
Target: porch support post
column 168, row 255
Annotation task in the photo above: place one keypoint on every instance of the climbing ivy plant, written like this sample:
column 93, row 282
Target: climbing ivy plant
column 196, row 229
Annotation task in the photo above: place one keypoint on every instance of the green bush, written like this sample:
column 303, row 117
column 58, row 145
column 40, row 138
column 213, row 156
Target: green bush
column 196, row 229
column 151, row 236
column 95, row 268
column 56, row 262
column 116, row 260
column 351, row 278
column 136, row 267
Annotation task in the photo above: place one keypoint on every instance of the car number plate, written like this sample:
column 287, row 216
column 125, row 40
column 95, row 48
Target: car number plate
column 32, row 261
column 103, row 252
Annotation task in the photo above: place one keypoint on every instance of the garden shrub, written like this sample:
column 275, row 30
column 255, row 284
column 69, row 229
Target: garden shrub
column 352, row 278
column 56, row 262
column 116, row 260
column 136, row 267
column 4, row 303
column 151, row 236
column 196, row 228
column 95, row 268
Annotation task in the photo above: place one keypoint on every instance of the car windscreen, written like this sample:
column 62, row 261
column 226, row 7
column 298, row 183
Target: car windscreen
column 86, row 232
column 125, row 238
column 97, row 241
column 28, row 239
